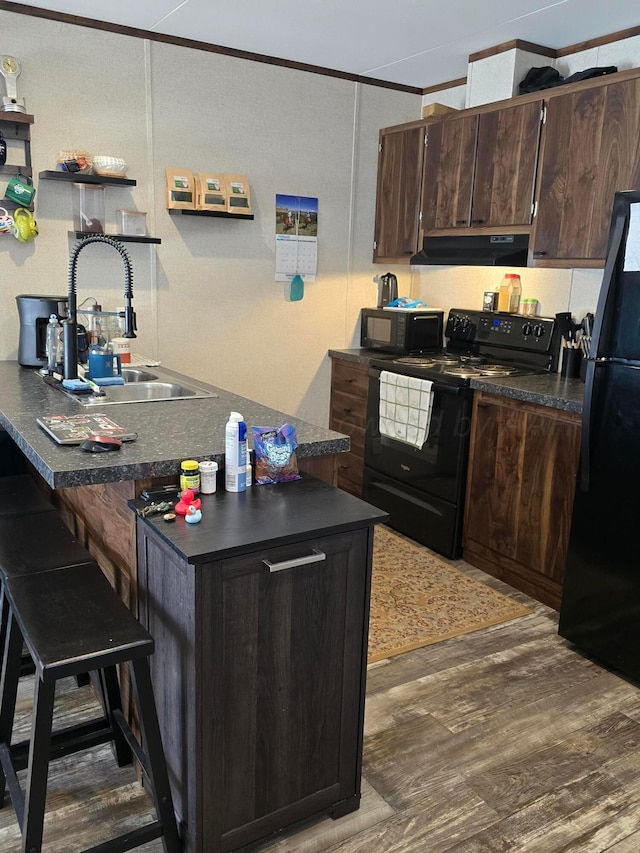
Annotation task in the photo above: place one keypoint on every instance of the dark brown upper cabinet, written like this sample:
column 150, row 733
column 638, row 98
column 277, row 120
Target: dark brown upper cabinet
column 590, row 150
column 505, row 166
column 480, row 169
column 398, row 193
column 448, row 173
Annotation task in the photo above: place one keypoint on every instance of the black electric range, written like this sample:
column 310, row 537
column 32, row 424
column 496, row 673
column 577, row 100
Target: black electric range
column 421, row 484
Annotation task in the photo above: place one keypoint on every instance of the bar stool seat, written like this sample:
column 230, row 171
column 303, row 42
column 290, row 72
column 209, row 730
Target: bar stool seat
column 71, row 621
column 31, row 543
column 18, row 494
column 35, row 542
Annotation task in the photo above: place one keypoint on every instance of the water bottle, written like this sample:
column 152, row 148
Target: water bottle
column 53, row 344
column 235, row 455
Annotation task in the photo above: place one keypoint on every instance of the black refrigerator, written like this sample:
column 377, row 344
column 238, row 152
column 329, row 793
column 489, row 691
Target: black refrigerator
column 600, row 611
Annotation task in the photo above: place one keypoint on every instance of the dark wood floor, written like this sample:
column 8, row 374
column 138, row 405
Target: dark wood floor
column 502, row 740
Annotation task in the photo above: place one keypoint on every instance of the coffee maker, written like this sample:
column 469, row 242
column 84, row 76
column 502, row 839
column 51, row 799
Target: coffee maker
column 34, row 313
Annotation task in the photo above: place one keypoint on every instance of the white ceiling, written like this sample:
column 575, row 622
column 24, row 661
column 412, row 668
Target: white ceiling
column 412, row 42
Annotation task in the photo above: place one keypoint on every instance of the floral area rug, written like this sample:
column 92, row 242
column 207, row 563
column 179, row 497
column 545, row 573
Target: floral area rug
column 417, row 599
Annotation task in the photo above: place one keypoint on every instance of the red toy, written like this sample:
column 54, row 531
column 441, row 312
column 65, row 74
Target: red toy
column 187, row 500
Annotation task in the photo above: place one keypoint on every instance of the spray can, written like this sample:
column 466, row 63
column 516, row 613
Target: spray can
column 235, row 455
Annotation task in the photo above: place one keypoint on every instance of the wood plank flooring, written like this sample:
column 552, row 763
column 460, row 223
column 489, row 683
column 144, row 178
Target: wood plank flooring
column 506, row 739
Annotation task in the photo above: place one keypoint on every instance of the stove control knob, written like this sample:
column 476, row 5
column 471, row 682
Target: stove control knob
column 454, row 320
column 465, row 323
column 527, row 329
column 538, row 330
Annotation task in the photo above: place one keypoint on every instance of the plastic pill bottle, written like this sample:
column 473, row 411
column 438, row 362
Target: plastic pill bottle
column 208, row 477
column 190, row 476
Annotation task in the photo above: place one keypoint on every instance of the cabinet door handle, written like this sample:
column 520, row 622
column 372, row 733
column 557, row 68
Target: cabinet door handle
column 461, row 221
column 315, row 556
column 539, row 254
column 477, row 221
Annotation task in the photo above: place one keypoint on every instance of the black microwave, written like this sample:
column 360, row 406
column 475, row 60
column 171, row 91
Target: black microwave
column 403, row 331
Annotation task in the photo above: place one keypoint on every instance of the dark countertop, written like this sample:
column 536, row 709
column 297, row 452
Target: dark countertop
column 548, row 389
column 263, row 516
column 168, row 431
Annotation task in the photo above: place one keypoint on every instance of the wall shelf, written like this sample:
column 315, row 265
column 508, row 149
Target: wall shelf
column 123, row 238
column 79, row 178
column 17, row 126
column 220, row 214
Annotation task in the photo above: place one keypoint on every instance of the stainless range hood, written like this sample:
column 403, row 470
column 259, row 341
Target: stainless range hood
column 488, row 250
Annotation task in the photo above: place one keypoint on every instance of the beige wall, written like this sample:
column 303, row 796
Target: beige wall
column 206, row 298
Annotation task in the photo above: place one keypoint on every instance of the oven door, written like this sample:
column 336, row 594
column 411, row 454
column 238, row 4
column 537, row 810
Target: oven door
column 439, row 467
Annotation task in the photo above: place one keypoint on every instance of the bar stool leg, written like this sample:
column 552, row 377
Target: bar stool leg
column 39, row 747
column 9, row 688
column 152, row 745
column 110, row 691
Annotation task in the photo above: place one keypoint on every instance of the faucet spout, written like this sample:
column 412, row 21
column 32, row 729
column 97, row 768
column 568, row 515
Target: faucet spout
column 70, row 324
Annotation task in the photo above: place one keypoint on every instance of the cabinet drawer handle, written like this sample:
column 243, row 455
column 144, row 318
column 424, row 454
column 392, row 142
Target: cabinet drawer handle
column 314, row 557
column 477, row 221
column 461, row 221
column 539, row 254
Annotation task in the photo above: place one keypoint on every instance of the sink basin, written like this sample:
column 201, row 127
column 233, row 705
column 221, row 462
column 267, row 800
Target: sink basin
column 142, row 386
column 144, row 392
column 136, row 374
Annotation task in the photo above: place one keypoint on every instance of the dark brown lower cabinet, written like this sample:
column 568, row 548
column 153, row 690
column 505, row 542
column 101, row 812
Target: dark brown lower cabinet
column 520, row 487
column 260, row 662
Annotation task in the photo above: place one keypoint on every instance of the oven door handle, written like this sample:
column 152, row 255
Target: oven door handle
column 385, row 487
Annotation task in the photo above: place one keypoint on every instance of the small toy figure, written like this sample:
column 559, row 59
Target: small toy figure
column 193, row 515
column 187, row 499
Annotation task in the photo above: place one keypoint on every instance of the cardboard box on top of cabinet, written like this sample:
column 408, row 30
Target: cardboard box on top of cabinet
column 435, row 110
column 180, row 189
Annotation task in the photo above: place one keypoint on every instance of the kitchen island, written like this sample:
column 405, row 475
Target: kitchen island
column 259, row 613
column 92, row 489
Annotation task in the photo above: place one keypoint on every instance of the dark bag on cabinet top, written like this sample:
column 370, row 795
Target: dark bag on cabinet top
column 540, row 78
column 591, row 72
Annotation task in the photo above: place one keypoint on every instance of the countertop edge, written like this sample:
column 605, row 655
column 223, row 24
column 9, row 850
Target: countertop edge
column 163, row 441
column 543, row 389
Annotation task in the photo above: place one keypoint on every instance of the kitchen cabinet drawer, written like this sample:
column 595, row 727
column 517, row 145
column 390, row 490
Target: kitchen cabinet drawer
column 520, row 485
column 350, row 377
column 355, row 433
column 348, row 414
column 350, row 468
column 347, row 409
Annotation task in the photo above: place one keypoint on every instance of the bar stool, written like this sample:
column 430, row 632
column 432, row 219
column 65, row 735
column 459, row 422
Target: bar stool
column 71, row 621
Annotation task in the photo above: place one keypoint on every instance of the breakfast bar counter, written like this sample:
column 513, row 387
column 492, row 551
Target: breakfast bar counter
column 168, row 432
column 92, row 489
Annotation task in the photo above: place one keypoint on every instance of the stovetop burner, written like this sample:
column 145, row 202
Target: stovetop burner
column 446, row 358
column 497, row 370
column 462, row 371
column 420, row 362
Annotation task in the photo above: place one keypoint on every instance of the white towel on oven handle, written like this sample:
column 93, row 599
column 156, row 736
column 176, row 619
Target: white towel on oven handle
column 405, row 407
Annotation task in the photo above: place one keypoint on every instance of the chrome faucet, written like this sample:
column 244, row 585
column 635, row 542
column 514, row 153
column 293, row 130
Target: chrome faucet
column 70, row 324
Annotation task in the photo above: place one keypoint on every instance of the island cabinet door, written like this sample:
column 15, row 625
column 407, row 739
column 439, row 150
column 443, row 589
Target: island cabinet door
column 260, row 673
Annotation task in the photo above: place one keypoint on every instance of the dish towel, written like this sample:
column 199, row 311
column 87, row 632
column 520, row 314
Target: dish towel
column 405, row 407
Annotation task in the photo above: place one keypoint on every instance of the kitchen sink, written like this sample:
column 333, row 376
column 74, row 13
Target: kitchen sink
column 142, row 386
column 136, row 374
